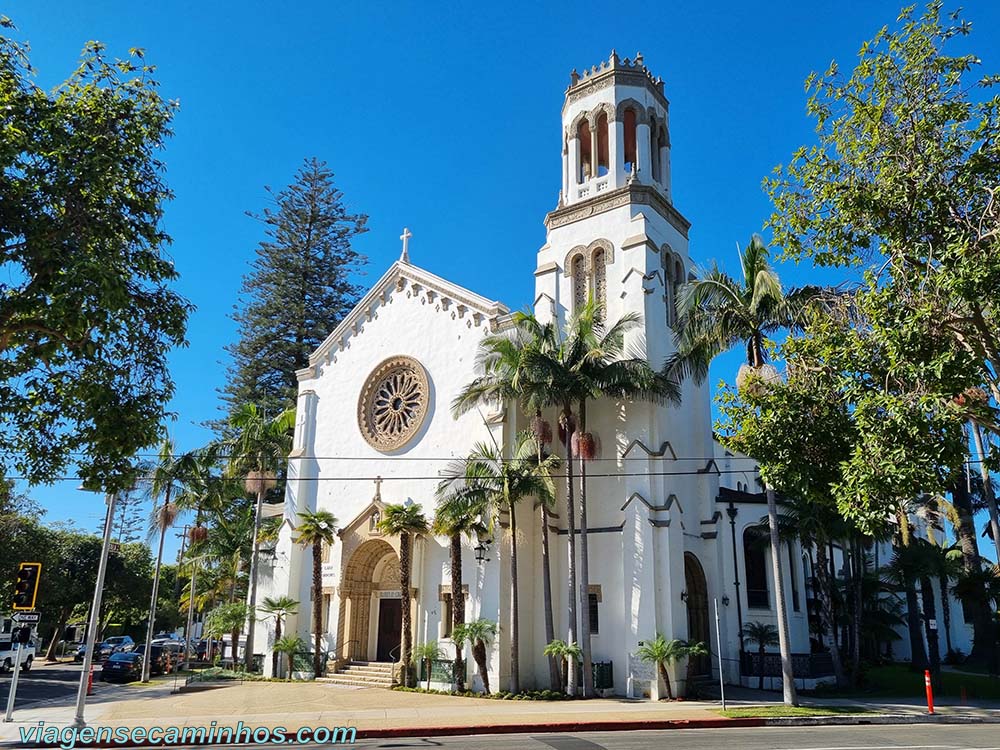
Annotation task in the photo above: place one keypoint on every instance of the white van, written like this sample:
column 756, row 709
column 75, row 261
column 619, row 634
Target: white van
column 8, row 652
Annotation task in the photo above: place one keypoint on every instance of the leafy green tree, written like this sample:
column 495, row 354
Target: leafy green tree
column 316, row 528
column 478, row 633
column 227, row 619
column 297, row 291
column 495, row 485
column 426, row 653
column 764, row 635
column 663, row 653
column 87, row 317
column 404, row 521
column 800, row 432
column 904, row 179
column 279, row 608
column 69, row 570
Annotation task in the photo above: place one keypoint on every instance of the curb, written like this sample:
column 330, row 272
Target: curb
column 595, row 726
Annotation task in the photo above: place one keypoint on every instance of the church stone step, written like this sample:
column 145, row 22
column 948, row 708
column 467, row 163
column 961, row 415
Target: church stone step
column 370, row 671
column 343, row 679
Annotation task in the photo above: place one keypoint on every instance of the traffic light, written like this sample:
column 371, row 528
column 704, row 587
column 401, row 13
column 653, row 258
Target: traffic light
column 26, row 585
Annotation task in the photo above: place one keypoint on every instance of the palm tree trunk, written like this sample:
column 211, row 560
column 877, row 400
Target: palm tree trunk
column 965, row 535
column 666, row 680
column 550, row 628
column 555, row 681
column 291, row 664
column 277, row 637
column 933, row 647
column 760, row 668
column 945, row 612
column 146, row 665
column 918, row 656
column 50, row 654
column 784, row 642
column 567, row 417
column 317, row 561
column 254, row 570
column 457, row 608
column 404, row 582
column 826, row 611
column 190, row 618
column 857, row 577
column 991, row 500
column 584, row 593
column 515, row 671
column 479, row 654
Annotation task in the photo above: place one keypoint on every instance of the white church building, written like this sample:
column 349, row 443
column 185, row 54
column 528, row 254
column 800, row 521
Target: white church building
column 668, row 507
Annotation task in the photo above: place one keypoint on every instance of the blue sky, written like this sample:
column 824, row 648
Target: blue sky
column 444, row 118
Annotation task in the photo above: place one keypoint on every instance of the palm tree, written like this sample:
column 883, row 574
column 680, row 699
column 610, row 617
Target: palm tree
column 764, row 635
column 278, row 608
column 404, row 521
column 493, row 485
column 604, row 370
column 289, row 645
column 663, row 653
column 716, row 313
column 258, row 450
column 315, row 529
column 166, row 473
column 426, row 653
column 456, row 515
column 506, row 377
column 563, row 652
column 478, row 634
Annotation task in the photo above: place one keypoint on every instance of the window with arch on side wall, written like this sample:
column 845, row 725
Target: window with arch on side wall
column 654, row 150
column 755, row 564
column 579, row 273
column 600, row 279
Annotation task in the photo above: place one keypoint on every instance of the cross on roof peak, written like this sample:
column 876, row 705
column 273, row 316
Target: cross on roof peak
column 405, row 237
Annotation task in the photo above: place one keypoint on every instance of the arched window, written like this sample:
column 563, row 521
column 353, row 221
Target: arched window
column 600, row 279
column 755, row 564
column 668, row 291
column 602, row 144
column 586, row 156
column 629, row 123
column 579, row 282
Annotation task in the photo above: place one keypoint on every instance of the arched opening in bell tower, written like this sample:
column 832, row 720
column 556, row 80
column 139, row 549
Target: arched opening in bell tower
column 629, row 123
column 602, row 144
column 584, row 169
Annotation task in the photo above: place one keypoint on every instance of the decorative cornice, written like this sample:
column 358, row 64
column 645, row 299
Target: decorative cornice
column 630, row 194
column 546, row 268
column 667, row 504
column 430, row 289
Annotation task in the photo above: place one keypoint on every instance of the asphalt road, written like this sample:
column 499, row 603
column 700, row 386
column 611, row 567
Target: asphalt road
column 43, row 683
column 896, row 737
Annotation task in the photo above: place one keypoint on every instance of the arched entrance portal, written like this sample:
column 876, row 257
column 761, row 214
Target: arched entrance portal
column 697, row 612
column 370, row 613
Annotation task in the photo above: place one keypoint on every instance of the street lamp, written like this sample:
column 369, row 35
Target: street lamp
column 482, row 548
column 110, row 498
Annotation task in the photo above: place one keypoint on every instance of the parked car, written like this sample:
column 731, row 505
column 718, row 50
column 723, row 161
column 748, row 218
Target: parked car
column 113, row 645
column 160, row 658
column 123, row 666
column 8, row 653
column 204, row 647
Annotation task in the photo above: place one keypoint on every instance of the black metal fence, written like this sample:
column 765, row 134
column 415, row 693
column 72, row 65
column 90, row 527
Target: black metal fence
column 804, row 665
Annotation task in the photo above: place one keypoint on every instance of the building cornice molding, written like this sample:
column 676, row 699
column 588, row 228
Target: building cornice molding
column 637, row 194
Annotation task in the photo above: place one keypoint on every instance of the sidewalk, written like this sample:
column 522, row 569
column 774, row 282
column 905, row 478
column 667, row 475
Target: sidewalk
column 385, row 712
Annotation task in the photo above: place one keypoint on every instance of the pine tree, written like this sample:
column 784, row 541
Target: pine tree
column 297, row 291
column 129, row 520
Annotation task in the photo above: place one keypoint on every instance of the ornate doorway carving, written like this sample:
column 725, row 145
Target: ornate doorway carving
column 372, row 568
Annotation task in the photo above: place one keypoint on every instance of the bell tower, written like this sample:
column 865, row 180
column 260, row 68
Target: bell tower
column 615, row 234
